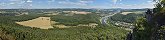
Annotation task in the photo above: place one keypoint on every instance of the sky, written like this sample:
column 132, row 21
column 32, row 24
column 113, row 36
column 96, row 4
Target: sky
column 102, row 4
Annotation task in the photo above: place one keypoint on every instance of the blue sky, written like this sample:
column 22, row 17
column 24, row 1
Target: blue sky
column 105, row 4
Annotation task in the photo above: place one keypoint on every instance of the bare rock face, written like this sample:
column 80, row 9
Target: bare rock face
column 149, row 15
column 41, row 22
column 158, row 20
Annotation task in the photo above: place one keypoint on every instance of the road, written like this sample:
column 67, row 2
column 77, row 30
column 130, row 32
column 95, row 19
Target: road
column 104, row 19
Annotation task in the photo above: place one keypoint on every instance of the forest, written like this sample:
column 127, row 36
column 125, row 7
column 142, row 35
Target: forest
column 129, row 18
column 9, row 30
column 76, row 19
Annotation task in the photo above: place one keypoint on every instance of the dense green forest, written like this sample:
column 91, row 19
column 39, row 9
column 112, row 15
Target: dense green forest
column 9, row 30
column 76, row 19
column 129, row 18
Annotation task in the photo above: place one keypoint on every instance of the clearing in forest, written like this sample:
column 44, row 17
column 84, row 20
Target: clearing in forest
column 41, row 22
column 125, row 13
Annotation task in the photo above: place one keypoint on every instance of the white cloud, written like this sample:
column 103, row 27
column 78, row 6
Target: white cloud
column 78, row 2
column 29, row 1
column 51, row 0
column 115, row 1
column 135, row 6
column 30, row 5
column 147, row 4
column 71, row 3
column 2, row 4
column 149, row 1
column 86, row 1
column 11, row 3
column 22, row 2
column 120, row 0
column 15, row 0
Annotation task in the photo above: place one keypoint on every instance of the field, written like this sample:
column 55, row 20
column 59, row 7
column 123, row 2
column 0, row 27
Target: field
column 77, row 12
column 136, row 12
column 41, row 22
column 125, row 13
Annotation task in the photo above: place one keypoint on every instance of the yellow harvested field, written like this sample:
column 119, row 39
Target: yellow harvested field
column 77, row 12
column 82, row 12
column 41, row 22
column 62, row 26
column 125, row 13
